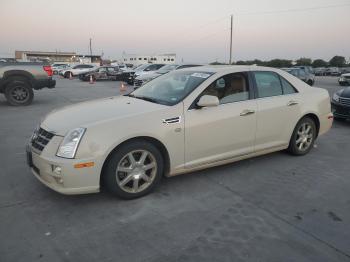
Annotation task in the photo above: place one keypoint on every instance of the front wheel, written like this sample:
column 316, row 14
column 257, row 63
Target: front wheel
column 303, row 137
column 133, row 170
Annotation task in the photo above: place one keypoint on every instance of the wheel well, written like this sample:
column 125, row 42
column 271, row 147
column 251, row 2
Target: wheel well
column 160, row 146
column 316, row 120
column 9, row 78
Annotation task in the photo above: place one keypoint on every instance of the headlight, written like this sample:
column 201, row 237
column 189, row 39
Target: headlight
column 70, row 143
column 335, row 97
column 342, row 78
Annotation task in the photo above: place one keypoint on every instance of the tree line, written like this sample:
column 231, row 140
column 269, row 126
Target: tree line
column 336, row 61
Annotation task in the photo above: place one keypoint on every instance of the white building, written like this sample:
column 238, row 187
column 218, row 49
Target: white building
column 144, row 59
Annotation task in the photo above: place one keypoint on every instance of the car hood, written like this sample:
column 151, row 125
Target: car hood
column 345, row 92
column 84, row 114
column 346, row 74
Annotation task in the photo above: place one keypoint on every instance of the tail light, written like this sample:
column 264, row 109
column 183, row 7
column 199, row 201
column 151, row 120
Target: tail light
column 48, row 70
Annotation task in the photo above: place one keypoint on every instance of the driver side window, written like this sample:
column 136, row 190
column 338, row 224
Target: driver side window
column 229, row 88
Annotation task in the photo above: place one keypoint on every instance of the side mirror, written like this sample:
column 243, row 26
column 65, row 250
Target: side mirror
column 208, row 101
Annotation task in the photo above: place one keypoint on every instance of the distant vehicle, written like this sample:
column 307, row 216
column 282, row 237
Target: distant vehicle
column 344, row 80
column 76, row 70
column 102, row 73
column 17, row 81
column 341, row 104
column 320, row 71
column 129, row 75
column 302, row 75
column 333, row 71
column 142, row 79
column 57, row 67
column 307, row 69
column 148, row 69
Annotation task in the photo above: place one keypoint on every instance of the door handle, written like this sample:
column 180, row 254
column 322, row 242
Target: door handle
column 292, row 103
column 247, row 112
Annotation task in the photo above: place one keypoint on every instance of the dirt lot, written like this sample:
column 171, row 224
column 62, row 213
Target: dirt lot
column 270, row 208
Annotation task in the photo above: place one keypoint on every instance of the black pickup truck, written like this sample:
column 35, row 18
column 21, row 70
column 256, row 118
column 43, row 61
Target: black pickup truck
column 17, row 81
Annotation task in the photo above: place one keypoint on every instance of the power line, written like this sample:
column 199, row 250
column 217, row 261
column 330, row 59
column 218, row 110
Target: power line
column 293, row 10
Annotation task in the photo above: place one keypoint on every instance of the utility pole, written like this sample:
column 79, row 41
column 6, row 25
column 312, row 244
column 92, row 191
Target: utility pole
column 230, row 62
column 90, row 48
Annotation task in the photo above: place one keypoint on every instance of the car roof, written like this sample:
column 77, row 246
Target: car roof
column 230, row 68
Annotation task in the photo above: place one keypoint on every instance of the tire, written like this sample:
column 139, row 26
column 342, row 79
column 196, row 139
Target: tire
column 66, row 74
column 125, row 177
column 301, row 136
column 310, row 82
column 18, row 92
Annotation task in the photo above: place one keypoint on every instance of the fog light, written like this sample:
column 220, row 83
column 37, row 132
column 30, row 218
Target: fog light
column 57, row 170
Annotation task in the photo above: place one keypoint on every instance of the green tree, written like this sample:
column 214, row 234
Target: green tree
column 279, row 63
column 319, row 63
column 304, row 61
column 338, row 61
column 241, row 62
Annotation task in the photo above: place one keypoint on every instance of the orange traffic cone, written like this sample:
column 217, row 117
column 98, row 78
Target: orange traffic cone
column 91, row 80
column 70, row 76
column 122, row 87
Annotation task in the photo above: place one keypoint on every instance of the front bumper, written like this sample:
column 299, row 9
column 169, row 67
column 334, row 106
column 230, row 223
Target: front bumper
column 71, row 180
column 339, row 110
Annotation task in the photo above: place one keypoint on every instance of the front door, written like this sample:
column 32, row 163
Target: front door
column 224, row 131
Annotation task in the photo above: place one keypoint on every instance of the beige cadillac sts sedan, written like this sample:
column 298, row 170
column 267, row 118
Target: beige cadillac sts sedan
column 182, row 121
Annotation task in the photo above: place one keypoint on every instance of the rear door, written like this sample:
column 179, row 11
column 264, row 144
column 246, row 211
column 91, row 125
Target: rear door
column 278, row 110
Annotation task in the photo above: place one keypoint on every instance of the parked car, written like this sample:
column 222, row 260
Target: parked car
column 341, row 104
column 333, row 71
column 76, row 70
column 320, row 71
column 180, row 122
column 344, row 79
column 17, row 81
column 142, row 79
column 129, row 75
column 102, row 73
column 56, row 67
column 302, row 75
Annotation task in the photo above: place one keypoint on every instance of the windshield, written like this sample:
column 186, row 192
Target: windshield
column 169, row 89
column 166, row 69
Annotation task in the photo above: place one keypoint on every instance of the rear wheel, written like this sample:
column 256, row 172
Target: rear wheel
column 303, row 137
column 133, row 170
column 18, row 92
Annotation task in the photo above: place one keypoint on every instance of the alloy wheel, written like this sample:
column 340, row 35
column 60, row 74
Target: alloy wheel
column 136, row 171
column 304, row 136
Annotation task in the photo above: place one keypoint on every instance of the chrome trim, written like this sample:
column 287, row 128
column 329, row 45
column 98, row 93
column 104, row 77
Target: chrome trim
column 172, row 120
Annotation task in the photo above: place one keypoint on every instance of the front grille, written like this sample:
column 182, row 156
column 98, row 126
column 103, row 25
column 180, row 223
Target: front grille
column 41, row 138
column 347, row 77
column 344, row 101
column 137, row 82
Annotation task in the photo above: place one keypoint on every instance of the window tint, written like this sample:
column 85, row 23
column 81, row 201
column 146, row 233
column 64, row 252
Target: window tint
column 287, row 87
column 268, row 84
column 229, row 88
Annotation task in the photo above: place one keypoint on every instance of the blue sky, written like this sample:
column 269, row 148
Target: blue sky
column 197, row 31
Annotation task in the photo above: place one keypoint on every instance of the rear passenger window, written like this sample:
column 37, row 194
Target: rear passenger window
column 268, row 84
column 287, row 87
